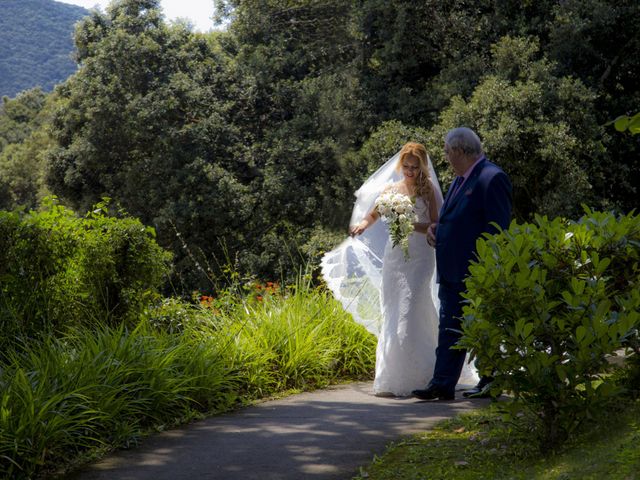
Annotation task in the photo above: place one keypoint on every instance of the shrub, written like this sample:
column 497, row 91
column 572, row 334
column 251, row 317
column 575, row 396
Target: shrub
column 57, row 269
column 31, row 259
column 118, row 266
column 548, row 302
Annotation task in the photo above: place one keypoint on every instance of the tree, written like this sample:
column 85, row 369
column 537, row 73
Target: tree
column 539, row 127
column 596, row 41
column 305, row 114
column 405, row 46
column 23, row 141
column 19, row 116
column 148, row 120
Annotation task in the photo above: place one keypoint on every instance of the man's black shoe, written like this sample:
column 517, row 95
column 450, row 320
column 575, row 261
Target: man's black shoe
column 479, row 391
column 432, row 393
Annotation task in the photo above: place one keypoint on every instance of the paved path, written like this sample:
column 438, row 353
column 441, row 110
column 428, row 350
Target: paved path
column 323, row 435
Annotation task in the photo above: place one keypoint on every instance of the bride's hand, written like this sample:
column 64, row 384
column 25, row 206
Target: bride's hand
column 359, row 228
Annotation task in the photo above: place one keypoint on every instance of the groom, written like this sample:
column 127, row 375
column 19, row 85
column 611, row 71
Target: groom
column 479, row 196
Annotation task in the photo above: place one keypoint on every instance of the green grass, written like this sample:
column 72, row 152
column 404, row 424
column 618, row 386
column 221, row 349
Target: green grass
column 307, row 341
column 91, row 390
column 480, row 446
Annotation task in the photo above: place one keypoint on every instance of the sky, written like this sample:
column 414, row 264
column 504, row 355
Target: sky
column 198, row 12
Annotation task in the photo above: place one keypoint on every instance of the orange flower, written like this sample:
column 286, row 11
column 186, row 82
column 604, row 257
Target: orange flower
column 206, row 300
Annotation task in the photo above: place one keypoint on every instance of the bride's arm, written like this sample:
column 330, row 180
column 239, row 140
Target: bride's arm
column 421, row 227
column 366, row 222
column 433, row 215
column 369, row 219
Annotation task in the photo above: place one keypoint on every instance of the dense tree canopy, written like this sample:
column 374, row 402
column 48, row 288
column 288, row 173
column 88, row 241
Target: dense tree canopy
column 539, row 127
column 20, row 116
column 148, row 121
column 23, row 144
column 249, row 142
column 306, row 114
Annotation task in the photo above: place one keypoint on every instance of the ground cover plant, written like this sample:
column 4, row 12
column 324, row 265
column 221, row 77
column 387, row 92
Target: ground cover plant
column 482, row 444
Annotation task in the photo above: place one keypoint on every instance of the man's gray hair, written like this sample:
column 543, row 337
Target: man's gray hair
column 465, row 139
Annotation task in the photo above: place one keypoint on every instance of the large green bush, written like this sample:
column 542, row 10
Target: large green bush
column 32, row 258
column 58, row 269
column 548, row 304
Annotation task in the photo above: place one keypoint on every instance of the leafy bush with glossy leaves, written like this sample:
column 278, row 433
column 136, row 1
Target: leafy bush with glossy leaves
column 548, row 303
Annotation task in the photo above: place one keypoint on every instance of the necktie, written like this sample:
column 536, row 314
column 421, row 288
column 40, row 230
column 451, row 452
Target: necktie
column 456, row 185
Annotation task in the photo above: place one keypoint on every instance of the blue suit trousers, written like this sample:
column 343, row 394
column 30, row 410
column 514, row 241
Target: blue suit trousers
column 449, row 362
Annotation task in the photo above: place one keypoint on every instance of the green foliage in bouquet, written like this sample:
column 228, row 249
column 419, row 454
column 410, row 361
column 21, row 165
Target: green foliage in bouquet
column 58, row 269
column 548, row 304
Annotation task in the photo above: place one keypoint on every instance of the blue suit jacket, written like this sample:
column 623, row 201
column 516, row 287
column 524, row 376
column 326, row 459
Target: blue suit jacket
column 484, row 198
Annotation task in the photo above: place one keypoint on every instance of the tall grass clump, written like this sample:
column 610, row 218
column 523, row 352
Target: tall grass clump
column 99, row 386
column 295, row 337
column 105, row 386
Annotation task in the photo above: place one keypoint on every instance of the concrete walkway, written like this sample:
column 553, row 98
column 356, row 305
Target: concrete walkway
column 324, row 435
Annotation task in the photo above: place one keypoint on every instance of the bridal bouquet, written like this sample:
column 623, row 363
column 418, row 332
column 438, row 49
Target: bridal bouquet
column 396, row 209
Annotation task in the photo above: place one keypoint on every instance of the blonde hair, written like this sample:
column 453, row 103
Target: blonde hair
column 423, row 182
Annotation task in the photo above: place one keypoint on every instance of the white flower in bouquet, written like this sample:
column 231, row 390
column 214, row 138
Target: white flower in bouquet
column 397, row 210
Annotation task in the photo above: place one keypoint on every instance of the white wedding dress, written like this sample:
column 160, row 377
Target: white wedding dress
column 394, row 299
column 407, row 342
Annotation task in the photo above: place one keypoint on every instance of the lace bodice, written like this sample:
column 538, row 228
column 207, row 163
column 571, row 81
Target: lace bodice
column 422, row 210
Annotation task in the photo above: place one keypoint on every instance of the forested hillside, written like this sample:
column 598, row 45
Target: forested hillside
column 245, row 146
column 36, row 38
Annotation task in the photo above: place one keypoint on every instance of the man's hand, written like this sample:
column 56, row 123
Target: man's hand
column 431, row 234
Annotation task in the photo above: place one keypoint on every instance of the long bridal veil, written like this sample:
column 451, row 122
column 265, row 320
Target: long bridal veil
column 353, row 270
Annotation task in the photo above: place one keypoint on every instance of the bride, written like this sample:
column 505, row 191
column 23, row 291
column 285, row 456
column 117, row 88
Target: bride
column 394, row 297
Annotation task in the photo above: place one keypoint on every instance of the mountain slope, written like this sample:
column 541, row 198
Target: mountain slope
column 36, row 43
